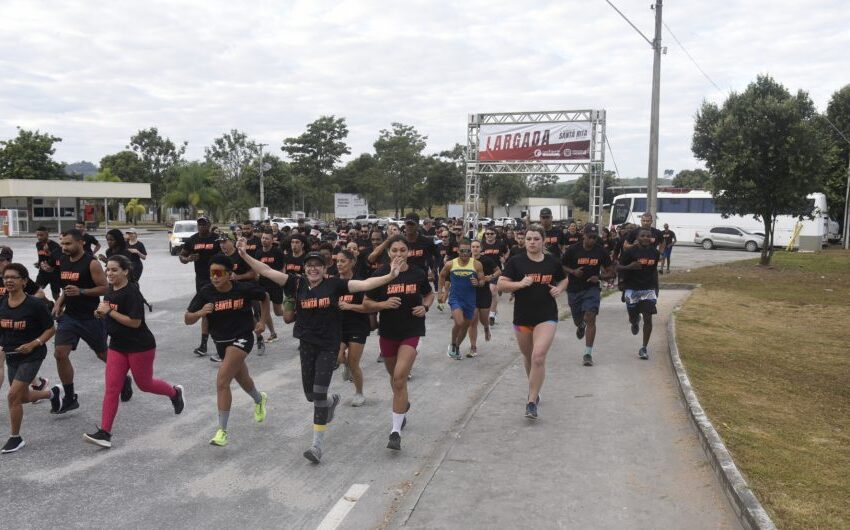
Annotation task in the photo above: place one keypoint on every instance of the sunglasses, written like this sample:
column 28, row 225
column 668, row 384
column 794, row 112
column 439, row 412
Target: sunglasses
column 7, row 278
column 219, row 273
column 464, row 250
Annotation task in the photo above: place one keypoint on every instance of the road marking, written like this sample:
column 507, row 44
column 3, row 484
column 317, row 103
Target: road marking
column 334, row 517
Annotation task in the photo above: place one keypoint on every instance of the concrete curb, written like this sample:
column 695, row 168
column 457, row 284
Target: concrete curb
column 747, row 507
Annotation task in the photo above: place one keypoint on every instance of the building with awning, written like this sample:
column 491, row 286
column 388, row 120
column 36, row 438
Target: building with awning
column 58, row 204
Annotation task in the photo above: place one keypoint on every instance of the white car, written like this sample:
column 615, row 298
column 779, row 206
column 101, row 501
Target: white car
column 484, row 221
column 284, row 221
column 506, row 222
column 180, row 232
column 384, row 221
column 365, row 219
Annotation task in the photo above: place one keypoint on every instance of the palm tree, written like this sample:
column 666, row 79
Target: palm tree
column 193, row 188
column 134, row 210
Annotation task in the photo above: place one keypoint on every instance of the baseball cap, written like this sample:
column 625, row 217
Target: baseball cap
column 545, row 211
column 314, row 256
column 411, row 218
column 130, row 231
column 590, row 229
column 6, row 253
column 203, row 219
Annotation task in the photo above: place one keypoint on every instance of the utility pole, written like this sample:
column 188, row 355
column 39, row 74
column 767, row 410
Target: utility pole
column 262, row 183
column 652, row 184
column 846, row 234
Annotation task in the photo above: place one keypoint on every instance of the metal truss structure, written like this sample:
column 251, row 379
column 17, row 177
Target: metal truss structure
column 475, row 168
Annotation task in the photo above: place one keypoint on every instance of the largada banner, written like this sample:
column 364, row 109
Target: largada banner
column 539, row 142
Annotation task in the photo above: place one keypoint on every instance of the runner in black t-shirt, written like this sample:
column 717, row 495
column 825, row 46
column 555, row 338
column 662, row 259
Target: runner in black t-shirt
column 483, row 297
column 25, row 326
column 422, row 251
column 132, row 347
column 537, row 279
column 497, row 250
column 252, row 241
column 317, row 327
column 553, row 237
column 639, row 266
column 572, row 236
column 669, row 238
column 241, row 272
column 90, row 243
column 271, row 255
column 356, row 325
column 227, row 307
column 293, row 263
column 403, row 305
column 586, row 264
column 198, row 249
column 138, row 252
column 48, row 252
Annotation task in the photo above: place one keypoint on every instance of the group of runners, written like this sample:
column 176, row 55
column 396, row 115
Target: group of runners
column 334, row 290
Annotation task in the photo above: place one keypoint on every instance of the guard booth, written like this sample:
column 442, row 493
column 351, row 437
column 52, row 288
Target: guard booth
column 58, row 204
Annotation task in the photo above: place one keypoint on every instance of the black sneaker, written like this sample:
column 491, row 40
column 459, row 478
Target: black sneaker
column 332, row 408
column 101, row 438
column 492, row 320
column 643, row 354
column 531, row 411
column 395, row 441
column 587, row 360
column 580, row 330
column 127, row 390
column 261, row 346
column 215, row 358
column 201, row 350
column 178, row 400
column 13, row 444
column 313, row 454
column 42, row 384
column 55, row 399
column 69, row 404
column 635, row 327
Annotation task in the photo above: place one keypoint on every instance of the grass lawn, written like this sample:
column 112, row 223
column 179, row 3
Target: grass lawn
column 768, row 352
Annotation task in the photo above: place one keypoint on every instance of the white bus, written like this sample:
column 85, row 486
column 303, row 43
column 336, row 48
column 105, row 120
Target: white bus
column 688, row 212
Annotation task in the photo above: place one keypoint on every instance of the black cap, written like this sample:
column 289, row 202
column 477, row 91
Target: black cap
column 6, row 253
column 314, row 255
column 411, row 218
column 545, row 211
column 203, row 219
column 590, row 229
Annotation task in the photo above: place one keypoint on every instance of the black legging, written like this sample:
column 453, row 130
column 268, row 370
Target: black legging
column 317, row 366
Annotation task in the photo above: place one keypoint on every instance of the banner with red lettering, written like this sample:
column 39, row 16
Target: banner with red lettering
column 540, row 142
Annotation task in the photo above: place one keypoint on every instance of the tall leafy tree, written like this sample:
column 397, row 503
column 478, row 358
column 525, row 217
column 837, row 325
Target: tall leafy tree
column 135, row 210
column 697, row 179
column 159, row 156
column 580, row 190
column 542, row 185
column 763, row 148
column 442, row 183
column 126, row 165
column 233, row 152
column 399, row 153
column 278, row 183
column 104, row 175
column 315, row 154
column 507, row 188
column 836, row 175
column 30, row 156
column 193, row 188
column 363, row 176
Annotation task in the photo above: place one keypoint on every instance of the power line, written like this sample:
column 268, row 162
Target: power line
column 616, row 169
column 834, row 127
column 630, row 22
column 710, row 80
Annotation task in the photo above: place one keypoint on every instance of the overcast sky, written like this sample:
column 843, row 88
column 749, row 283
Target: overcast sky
column 94, row 73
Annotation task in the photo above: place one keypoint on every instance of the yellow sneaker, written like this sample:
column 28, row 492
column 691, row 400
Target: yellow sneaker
column 220, row 438
column 260, row 408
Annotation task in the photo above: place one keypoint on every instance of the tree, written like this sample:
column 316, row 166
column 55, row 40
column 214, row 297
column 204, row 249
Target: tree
column 192, row 188
column 134, row 210
column 363, row 176
column 696, row 179
column 278, row 183
column 159, row 156
column 315, row 154
column 580, row 190
column 836, row 175
column 30, row 156
column 233, row 152
column 399, row 152
column 507, row 188
column 763, row 148
column 542, row 185
column 104, row 175
column 442, row 183
column 126, row 164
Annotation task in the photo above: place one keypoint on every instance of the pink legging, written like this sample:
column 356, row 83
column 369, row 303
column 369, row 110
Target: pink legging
column 117, row 365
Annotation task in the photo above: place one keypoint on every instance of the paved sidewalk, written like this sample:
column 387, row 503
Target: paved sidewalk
column 613, row 447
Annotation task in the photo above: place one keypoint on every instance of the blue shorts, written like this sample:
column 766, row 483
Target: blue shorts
column 70, row 330
column 586, row 301
column 467, row 308
column 666, row 253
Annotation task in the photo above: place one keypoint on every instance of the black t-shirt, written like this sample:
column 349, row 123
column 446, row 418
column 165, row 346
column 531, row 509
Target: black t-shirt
column 22, row 324
column 353, row 322
column 450, row 248
column 516, row 250
column 553, row 241
column 252, row 245
column 205, row 248
column 138, row 264
column 30, row 288
column 239, row 265
column 495, row 250
column 317, row 316
column 534, row 304
column 656, row 236
column 48, row 252
column 572, row 239
column 232, row 316
column 489, row 265
column 668, row 236
column 645, row 278
column 78, row 273
column 421, row 252
column 274, row 259
column 293, row 266
column 128, row 301
column 89, row 241
column 411, row 286
column 589, row 261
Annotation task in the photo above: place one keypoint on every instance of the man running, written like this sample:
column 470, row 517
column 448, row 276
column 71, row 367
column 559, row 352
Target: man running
column 586, row 263
column 496, row 249
column 483, row 297
column 48, row 252
column 639, row 263
column 90, row 243
column 198, row 249
column 466, row 275
column 554, row 242
column 293, row 263
column 669, row 238
column 272, row 256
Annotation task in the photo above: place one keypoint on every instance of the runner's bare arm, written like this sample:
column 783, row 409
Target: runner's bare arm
column 357, row 286
column 99, row 279
column 376, row 254
column 506, row 285
column 278, row 277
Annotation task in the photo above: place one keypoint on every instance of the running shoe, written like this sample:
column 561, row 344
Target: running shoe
column 69, row 404
column 332, row 408
column 215, row 359
column 643, row 354
column 55, row 399
column 43, row 382
column 395, row 441
column 587, row 360
column 635, row 327
column 13, row 444
column 313, row 454
column 178, row 400
column 201, row 350
column 358, row 400
column 531, row 411
column 473, row 352
column 127, row 391
column 346, row 372
column 493, row 319
column 220, row 438
column 261, row 346
column 580, row 330
column 379, row 359
column 450, row 351
column 272, row 338
column 660, row 271
column 101, row 438
column 260, row 408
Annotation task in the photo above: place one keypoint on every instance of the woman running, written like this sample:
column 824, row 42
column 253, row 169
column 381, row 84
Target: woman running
column 227, row 306
column 403, row 304
column 464, row 274
column 483, row 298
column 137, row 251
column 537, row 279
column 25, row 326
column 132, row 347
column 317, row 326
column 355, row 327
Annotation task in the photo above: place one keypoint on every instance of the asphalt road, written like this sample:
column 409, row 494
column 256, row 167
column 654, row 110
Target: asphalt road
column 622, row 456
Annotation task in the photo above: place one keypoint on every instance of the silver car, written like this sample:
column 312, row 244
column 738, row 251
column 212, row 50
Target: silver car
column 729, row 236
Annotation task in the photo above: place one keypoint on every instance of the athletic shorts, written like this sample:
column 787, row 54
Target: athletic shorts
column 354, row 337
column 275, row 294
column 464, row 305
column 642, row 301
column 667, row 252
column 70, row 330
column 390, row 347
column 22, row 367
column 586, row 301
column 530, row 329
column 43, row 279
column 199, row 283
column 243, row 342
column 483, row 298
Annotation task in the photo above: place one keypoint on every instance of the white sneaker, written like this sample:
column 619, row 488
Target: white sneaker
column 358, row 400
